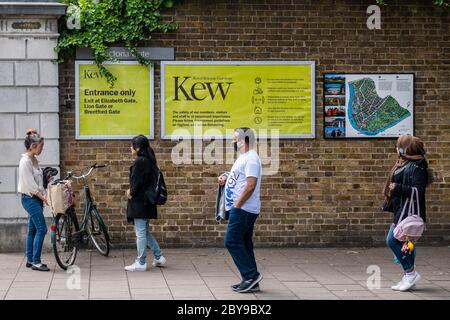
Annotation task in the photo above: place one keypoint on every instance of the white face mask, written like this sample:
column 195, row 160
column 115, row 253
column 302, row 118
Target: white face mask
column 238, row 145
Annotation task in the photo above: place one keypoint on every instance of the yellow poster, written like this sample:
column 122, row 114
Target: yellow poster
column 119, row 112
column 210, row 98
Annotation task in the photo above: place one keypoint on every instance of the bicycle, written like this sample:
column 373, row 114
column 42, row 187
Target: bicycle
column 68, row 236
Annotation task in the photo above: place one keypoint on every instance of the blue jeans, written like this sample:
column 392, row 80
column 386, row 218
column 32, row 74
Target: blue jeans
column 144, row 238
column 37, row 229
column 238, row 241
column 404, row 258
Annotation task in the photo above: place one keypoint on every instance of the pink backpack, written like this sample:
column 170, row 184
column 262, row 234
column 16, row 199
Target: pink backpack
column 412, row 226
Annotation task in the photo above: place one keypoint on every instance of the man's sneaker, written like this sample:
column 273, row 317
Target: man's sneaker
column 236, row 286
column 159, row 262
column 409, row 282
column 249, row 284
column 254, row 289
column 40, row 267
column 136, row 266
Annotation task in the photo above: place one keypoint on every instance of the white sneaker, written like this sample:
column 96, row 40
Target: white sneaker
column 409, row 282
column 136, row 266
column 398, row 285
column 159, row 262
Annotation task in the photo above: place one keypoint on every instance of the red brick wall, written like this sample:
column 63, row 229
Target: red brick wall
column 326, row 192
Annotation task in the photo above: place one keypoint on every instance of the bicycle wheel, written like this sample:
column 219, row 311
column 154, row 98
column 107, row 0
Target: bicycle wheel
column 98, row 232
column 63, row 247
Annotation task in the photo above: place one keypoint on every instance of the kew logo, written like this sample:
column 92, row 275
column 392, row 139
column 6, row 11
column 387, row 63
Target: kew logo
column 200, row 90
column 92, row 74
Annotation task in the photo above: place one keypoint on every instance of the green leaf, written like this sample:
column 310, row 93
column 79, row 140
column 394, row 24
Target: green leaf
column 111, row 22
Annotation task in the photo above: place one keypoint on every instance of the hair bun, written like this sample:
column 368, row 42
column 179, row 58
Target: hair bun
column 31, row 131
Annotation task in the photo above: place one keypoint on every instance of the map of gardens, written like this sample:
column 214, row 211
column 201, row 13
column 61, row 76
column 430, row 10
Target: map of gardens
column 368, row 105
column 369, row 113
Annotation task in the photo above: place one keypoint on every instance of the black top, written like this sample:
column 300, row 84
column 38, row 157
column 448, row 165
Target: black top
column 413, row 174
column 142, row 175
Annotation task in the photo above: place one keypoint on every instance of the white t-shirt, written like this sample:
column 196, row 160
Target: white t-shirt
column 246, row 165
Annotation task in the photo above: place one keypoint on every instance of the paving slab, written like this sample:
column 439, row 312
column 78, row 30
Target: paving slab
column 208, row 273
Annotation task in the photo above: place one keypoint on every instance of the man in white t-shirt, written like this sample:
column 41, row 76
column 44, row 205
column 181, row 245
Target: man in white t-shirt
column 242, row 200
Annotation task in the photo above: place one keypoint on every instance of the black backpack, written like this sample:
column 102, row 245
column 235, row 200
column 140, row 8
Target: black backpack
column 157, row 193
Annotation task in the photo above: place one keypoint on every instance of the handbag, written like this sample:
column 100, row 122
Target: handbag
column 410, row 228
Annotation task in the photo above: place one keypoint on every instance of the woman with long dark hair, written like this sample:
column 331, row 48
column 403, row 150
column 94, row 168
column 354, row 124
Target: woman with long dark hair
column 140, row 210
column 410, row 171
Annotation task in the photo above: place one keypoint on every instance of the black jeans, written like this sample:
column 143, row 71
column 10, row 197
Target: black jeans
column 238, row 241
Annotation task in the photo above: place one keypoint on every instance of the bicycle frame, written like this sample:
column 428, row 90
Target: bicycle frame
column 89, row 205
column 92, row 225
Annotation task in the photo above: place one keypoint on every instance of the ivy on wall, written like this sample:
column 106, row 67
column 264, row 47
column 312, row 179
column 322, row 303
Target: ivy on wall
column 98, row 24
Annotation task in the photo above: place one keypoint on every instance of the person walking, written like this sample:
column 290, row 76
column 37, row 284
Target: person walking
column 140, row 210
column 410, row 171
column 31, row 188
column 242, row 200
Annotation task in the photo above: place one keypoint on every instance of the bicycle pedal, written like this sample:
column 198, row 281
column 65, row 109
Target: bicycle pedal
column 79, row 236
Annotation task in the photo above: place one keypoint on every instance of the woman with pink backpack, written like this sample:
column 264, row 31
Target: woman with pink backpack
column 405, row 193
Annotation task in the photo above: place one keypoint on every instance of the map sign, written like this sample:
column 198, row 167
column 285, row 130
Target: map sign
column 368, row 105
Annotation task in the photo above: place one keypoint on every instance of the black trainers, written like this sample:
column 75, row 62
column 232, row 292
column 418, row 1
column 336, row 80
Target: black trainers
column 254, row 289
column 235, row 286
column 248, row 285
column 40, row 267
column 29, row 265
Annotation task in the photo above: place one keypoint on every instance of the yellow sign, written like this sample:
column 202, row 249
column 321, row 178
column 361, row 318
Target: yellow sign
column 120, row 112
column 201, row 99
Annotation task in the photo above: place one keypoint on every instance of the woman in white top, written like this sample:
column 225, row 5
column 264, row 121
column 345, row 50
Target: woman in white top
column 31, row 186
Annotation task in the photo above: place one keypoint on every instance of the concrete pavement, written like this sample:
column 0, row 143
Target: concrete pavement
column 289, row 274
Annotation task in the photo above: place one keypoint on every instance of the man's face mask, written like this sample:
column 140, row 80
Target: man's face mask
column 237, row 145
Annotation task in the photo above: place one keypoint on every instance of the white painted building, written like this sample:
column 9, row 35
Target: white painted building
column 28, row 99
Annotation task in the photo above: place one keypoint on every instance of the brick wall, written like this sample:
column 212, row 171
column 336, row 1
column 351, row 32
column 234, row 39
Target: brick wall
column 326, row 192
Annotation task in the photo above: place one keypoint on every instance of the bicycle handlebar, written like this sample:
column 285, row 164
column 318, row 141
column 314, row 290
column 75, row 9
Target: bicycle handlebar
column 83, row 176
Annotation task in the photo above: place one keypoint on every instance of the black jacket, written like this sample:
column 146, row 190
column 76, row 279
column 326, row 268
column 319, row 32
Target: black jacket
column 142, row 175
column 414, row 174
